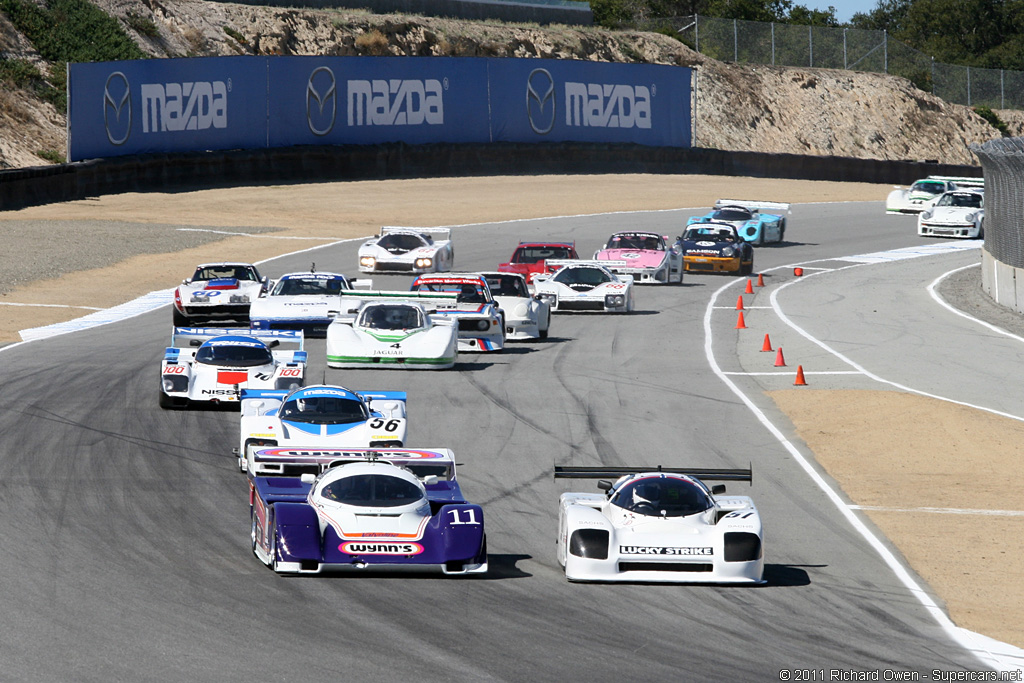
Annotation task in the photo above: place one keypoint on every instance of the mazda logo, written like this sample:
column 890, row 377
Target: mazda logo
column 540, row 88
column 116, row 99
column 322, row 89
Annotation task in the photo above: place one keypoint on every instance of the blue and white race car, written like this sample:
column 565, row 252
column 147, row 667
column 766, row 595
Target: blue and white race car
column 481, row 323
column 218, row 292
column 396, row 510
column 302, row 301
column 750, row 218
column 213, row 365
column 320, row 415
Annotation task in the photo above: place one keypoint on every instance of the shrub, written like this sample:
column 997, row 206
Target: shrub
column 51, row 155
column 71, row 31
column 236, row 35
column 144, row 26
column 372, row 42
column 993, row 119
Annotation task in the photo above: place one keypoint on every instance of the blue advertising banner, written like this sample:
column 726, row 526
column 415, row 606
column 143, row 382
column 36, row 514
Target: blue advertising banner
column 166, row 105
column 551, row 100
column 369, row 100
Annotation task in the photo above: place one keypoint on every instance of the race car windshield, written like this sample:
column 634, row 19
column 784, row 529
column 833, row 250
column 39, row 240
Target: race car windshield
column 400, row 243
column 930, row 187
column 502, row 285
column 662, row 496
column 732, row 214
column 225, row 272
column 645, row 242
column 582, row 276
column 967, row 200
column 330, row 410
column 536, row 254
column 372, row 491
column 234, row 356
column 308, row 287
column 467, row 292
column 391, row 318
column 713, row 234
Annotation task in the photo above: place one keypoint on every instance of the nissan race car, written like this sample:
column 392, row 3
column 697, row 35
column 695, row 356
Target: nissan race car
column 659, row 525
column 408, row 250
column 215, row 364
column 319, row 415
column 958, row 213
column 924, row 193
column 398, row 510
column 218, row 291
column 302, row 301
column 481, row 323
column 749, row 218
column 399, row 330
column 526, row 316
column 647, row 256
column 586, row 286
column 530, row 258
column 716, row 248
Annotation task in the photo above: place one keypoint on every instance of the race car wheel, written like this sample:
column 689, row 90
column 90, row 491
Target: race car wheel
column 782, row 230
column 747, row 269
column 178, row 318
column 543, row 334
column 252, row 534
column 166, row 402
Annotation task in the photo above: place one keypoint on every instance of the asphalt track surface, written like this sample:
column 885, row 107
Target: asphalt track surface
column 126, row 528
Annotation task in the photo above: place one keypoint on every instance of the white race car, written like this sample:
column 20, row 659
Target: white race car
column 659, row 525
column 218, row 291
column 924, row 193
column 319, row 416
column 580, row 285
column 526, row 316
column 302, row 301
column 481, row 323
column 649, row 258
column 408, row 250
column 397, row 330
column 213, row 365
column 959, row 213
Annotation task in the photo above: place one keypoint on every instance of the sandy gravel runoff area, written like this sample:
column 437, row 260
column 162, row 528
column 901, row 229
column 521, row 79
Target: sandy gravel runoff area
column 67, row 254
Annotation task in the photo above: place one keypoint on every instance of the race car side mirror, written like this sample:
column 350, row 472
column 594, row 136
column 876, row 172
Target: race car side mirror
column 604, row 485
column 307, row 478
column 195, row 342
column 718, row 489
column 274, row 343
column 430, row 480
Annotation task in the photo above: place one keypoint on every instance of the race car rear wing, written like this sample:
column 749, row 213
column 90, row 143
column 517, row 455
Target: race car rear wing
column 558, row 263
column 444, row 233
column 959, row 180
column 698, row 472
column 295, row 461
column 195, row 336
column 753, row 205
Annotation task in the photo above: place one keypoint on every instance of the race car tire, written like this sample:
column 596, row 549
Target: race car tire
column 760, row 238
column 178, row 318
column 166, row 402
column 782, row 230
column 543, row 334
column 747, row 269
column 252, row 535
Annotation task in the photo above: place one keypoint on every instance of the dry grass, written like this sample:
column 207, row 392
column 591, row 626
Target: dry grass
column 373, row 43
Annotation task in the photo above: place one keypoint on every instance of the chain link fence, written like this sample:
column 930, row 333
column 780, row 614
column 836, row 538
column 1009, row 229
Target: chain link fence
column 737, row 40
column 1002, row 160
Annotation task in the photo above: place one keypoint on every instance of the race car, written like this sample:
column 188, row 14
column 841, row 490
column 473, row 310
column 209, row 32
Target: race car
column 212, row 365
column 530, row 258
column 218, row 291
column 659, row 525
column 749, row 218
column 408, row 250
column 398, row 330
column 319, row 415
column 649, row 259
column 398, row 510
column 958, row 213
column 716, row 248
column 481, row 323
column 302, row 301
column 526, row 316
column 586, row 286
column 924, row 193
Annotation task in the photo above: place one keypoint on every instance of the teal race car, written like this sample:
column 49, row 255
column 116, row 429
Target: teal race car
column 750, row 218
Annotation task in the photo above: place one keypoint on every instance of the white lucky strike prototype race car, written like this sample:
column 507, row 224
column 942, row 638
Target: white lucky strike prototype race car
column 960, row 213
column 526, row 316
column 218, row 291
column 659, row 525
column 580, row 285
column 319, row 416
column 480, row 322
column 924, row 193
column 212, row 365
column 408, row 250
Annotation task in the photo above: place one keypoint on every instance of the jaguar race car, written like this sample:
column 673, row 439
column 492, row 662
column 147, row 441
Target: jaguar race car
column 586, row 286
column 649, row 259
column 924, row 193
column 659, row 525
column 751, row 219
column 212, row 365
column 408, row 250
column 530, row 258
column 302, row 301
column 526, row 316
column 481, row 323
column 399, row 330
column 218, row 291
column 716, row 248
column 319, row 415
column 958, row 213
column 398, row 510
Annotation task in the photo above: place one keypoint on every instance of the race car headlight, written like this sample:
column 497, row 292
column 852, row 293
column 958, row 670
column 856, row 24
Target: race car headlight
column 288, row 383
column 926, row 214
column 548, row 298
column 729, row 252
column 367, row 261
column 174, row 383
column 589, row 543
column 970, row 217
column 482, row 325
column 612, row 300
column 239, row 298
column 424, row 262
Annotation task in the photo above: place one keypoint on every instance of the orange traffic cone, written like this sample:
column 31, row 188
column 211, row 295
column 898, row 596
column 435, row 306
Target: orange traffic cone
column 740, row 323
column 800, row 381
column 780, row 362
column 750, row 287
column 739, row 303
column 760, row 280
column 767, row 346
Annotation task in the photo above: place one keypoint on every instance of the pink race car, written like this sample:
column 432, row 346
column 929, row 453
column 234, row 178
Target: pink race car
column 647, row 255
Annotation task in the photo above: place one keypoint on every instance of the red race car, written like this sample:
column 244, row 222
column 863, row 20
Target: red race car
column 530, row 258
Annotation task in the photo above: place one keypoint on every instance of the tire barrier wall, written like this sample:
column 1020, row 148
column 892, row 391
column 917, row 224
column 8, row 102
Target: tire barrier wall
column 162, row 172
column 1002, row 259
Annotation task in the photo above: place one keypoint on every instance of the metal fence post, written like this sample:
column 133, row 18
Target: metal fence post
column 844, row 48
column 885, row 49
column 773, row 43
column 933, row 75
column 1002, row 91
column 810, row 46
column 968, row 86
column 735, row 43
column 696, row 32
